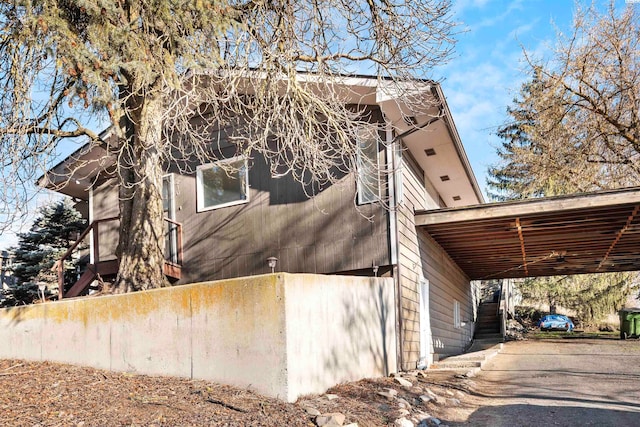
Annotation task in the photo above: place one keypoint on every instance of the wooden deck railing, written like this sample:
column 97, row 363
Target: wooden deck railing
column 174, row 231
column 173, row 257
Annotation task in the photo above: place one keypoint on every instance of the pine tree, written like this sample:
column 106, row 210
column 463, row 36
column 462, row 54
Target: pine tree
column 53, row 231
column 574, row 127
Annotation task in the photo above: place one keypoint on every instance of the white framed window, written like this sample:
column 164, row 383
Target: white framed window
column 457, row 322
column 368, row 179
column 222, row 183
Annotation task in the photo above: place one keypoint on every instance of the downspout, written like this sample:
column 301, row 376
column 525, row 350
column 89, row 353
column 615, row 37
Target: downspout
column 395, row 238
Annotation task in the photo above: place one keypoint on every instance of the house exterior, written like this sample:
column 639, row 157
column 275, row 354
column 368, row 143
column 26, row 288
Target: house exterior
column 231, row 226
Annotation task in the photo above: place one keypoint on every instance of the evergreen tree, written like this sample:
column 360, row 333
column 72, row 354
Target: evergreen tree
column 574, row 127
column 512, row 178
column 53, row 231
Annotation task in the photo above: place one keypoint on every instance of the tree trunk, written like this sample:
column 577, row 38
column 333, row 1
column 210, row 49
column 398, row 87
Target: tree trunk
column 141, row 244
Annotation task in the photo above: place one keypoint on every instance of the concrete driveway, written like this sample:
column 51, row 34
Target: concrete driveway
column 560, row 382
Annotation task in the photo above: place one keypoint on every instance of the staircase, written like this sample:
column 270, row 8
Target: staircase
column 488, row 323
column 106, row 270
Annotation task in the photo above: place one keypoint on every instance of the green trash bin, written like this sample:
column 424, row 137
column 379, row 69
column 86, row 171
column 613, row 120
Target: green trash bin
column 629, row 323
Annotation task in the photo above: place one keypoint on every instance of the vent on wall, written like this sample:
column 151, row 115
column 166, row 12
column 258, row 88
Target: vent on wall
column 430, row 152
column 444, row 178
column 456, row 198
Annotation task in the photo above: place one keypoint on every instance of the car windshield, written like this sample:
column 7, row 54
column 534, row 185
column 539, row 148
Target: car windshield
column 556, row 317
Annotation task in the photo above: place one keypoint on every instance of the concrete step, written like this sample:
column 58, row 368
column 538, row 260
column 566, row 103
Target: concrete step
column 491, row 344
column 471, row 361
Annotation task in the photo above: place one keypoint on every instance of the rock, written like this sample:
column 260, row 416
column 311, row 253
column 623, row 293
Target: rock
column 388, row 393
column 421, row 416
column 403, row 403
column 351, row 425
column 403, row 382
column 384, row 407
column 453, row 402
column 333, row 419
column 424, row 398
column 403, row 412
column 448, row 393
column 311, row 411
column 432, row 395
column 430, row 422
column 403, row 422
column 460, row 394
column 331, row 396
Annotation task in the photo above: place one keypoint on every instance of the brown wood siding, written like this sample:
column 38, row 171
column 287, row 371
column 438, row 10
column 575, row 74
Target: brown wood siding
column 324, row 234
column 105, row 205
column 421, row 256
column 414, row 197
column 447, row 283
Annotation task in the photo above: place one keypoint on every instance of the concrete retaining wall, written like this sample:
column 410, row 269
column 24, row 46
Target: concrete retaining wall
column 283, row 335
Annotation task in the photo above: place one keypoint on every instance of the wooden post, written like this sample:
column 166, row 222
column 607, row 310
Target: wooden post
column 60, row 279
column 96, row 243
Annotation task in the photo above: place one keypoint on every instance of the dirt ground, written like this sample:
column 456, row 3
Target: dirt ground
column 563, row 382
column 48, row 394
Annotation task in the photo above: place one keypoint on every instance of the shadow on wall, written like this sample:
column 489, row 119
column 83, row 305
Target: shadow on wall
column 16, row 315
column 539, row 415
column 367, row 345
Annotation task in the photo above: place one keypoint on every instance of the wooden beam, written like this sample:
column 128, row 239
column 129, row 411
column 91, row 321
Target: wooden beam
column 521, row 208
column 619, row 235
column 522, row 248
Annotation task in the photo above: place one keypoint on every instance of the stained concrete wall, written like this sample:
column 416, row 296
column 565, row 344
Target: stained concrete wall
column 282, row 335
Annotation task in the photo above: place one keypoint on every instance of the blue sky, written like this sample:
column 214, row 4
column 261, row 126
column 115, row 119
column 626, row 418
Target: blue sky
column 487, row 71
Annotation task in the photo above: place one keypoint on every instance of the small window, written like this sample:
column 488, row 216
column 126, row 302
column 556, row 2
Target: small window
column 368, row 181
column 223, row 183
column 457, row 323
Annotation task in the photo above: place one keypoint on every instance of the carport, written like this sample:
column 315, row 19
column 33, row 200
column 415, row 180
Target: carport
column 585, row 233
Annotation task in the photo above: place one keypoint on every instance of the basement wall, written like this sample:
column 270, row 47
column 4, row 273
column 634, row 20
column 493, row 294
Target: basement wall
column 282, row 335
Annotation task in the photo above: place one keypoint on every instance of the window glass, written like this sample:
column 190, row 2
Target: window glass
column 223, row 183
column 368, row 168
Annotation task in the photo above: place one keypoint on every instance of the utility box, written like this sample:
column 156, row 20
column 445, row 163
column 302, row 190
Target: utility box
column 629, row 323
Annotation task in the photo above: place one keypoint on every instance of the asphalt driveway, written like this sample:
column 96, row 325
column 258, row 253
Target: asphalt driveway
column 560, row 382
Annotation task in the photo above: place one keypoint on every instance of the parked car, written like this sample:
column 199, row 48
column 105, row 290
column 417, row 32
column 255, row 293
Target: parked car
column 557, row 322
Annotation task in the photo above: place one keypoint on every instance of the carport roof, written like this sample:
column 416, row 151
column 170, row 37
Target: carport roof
column 584, row 233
